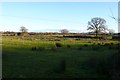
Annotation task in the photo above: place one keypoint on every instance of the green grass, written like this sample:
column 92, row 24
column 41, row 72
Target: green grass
column 20, row 61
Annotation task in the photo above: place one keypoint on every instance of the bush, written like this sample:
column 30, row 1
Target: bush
column 85, row 45
column 58, row 44
column 68, row 46
column 111, row 43
column 94, row 43
column 98, row 43
column 34, row 48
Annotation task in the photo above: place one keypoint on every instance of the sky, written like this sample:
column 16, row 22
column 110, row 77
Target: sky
column 54, row 16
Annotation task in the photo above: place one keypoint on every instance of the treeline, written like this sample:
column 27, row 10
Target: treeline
column 85, row 36
column 46, row 33
column 35, row 33
column 64, row 35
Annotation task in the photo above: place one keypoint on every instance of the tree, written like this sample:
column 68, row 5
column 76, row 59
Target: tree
column 97, row 25
column 64, row 31
column 23, row 29
column 111, row 31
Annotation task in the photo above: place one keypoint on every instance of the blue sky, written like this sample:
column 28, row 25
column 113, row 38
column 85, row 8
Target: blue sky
column 53, row 16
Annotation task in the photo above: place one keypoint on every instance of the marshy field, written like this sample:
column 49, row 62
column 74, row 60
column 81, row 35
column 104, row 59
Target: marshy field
column 49, row 56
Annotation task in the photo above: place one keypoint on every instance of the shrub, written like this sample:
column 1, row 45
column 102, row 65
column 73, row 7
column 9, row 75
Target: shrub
column 34, row 48
column 93, row 43
column 85, row 45
column 77, row 39
column 68, row 46
column 98, row 43
column 111, row 44
column 58, row 44
column 102, row 43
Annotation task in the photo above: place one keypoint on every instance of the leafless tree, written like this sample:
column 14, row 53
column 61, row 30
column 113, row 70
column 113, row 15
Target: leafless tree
column 64, row 31
column 111, row 31
column 23, row 29
column 97, row 25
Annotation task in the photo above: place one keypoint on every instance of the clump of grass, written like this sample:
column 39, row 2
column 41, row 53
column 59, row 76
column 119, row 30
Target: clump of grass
column 34, row 48
column 98, row 44
column 102, row 43
column 68, row 46
column 111, row 43
column 118, row 44
column 85, row 45
column 58, row 44
column 77, row 39
column 37, row 48
column 93, row 43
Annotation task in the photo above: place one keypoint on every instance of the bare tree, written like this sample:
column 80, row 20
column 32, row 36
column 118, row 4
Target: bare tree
column 23, row 29
column 111, row 31
column 97, row 25
column 113, row 17
column 64, row 31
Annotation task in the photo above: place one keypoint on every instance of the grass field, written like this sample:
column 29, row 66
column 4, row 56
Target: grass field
column 37, row 57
